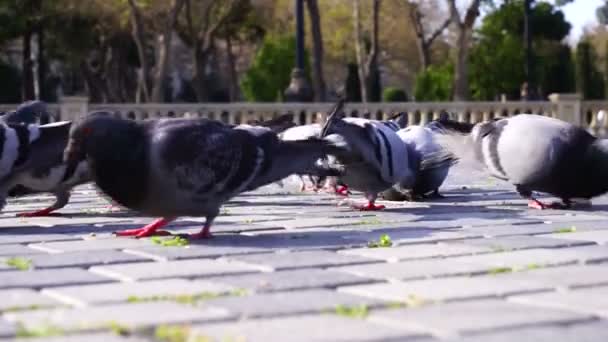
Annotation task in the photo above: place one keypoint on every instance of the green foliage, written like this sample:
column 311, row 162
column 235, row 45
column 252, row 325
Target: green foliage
column 392, row 94
column 434, row 83
column 565, row 230
column 589, row 81
column 270, row 72
column 497, row 60
column 383, row 241
column 359, row 311
column 176, row 241
column 19, row 263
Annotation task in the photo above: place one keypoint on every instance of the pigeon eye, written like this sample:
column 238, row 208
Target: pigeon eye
column 87, row 131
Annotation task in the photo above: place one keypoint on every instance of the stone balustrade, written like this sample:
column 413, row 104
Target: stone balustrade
column 592, row 115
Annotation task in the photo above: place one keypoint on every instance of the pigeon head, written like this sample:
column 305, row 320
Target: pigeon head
column 99, row 135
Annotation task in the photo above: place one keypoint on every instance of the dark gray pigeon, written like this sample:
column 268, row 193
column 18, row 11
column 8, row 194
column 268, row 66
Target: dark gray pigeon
column 185, row 167
column 43, row 169
column 538, row 153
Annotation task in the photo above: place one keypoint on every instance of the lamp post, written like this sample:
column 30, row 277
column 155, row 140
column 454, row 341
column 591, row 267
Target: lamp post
column 299, row 89
column 529, row 67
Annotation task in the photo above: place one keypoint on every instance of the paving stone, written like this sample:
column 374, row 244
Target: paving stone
column 446, row 289
column 47, row 278
column 169, row 269
column 416, row 269
column 132, row 315
column 538, row 257
column 17, row 250
column 307, row 239
column 291, row 280
column 7, row 329
column 220, row 245
column 589, row 300
column 91, row 245
column 24, row 299
column 290, row 303
column 292, row 260
column 91, row 337
column 82, row 259
column 418, row 251
column 563, row 276
column 521, row 242
column 593, row 331
column 304, row 328
column 452, row 319
column 82, row 296
column 404, row 236
column 599, row 236
column 34, row 238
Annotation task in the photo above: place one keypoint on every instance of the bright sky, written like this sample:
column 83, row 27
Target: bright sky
column 580, row 13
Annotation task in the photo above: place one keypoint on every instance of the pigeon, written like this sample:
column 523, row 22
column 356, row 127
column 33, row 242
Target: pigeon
column 185, row 167
column 537, row 153
column 420, row 142
column 300, row 133
column 377, row 158
column 43, row 169
column 29, row 112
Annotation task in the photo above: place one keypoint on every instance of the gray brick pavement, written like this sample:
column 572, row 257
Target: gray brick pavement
column 475, row 266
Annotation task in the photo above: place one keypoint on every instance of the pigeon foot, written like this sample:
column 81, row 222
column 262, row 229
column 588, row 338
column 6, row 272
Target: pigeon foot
column 205, row 233
column 536, row 204
column 435, row 195
column 342, row 190
column 39, row 213
column 148, row 230
column 370, row 206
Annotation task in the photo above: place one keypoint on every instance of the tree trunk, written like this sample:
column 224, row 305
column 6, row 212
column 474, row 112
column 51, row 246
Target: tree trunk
column 359, row 54
column 373, row 71
column 465, row 32
column 164, row 53
column 42, row 90
column 199, row 84
column 27, row 90
column 94, row 84
column 317, row 43
column 423, row 42
column 233, row 78
column 139, row 37
column 461, row 69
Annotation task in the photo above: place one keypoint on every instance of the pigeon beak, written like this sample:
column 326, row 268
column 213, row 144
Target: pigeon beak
column 333, row 116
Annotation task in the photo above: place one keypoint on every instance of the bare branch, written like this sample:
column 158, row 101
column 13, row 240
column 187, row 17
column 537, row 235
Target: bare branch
column 439, row 30
column 454, row 14
column 472, row 14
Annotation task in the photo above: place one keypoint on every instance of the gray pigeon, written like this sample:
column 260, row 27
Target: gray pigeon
column 185, row 167
column 29, row 112
column 537, row 153
column 420, row 143
column 377, row 158
column 43, row 170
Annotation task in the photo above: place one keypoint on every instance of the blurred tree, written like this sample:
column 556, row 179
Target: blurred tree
column 497, row 59
column 464, row 30
column 589, row 81
column 393, row 94
column 425, row 41
column 435, row 83
column 318, row 80
column 200, row 26
column 270, row 71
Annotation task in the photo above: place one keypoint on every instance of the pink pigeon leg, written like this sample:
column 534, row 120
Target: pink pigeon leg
column 149, row 229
